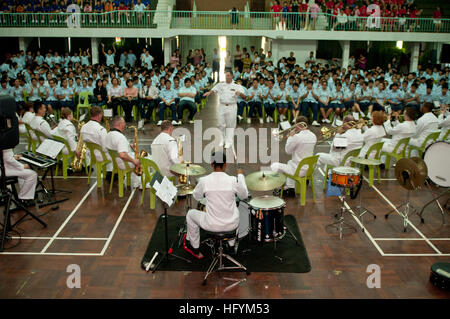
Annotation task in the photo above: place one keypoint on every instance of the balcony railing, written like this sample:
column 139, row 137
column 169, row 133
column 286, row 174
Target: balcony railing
column 222, row 20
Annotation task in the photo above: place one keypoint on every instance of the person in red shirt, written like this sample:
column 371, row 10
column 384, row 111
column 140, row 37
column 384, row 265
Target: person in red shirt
column 303, row 8
column 276, row 16
column 437, row 16
column 122, row 7
column 351, row 3
column 348, row 11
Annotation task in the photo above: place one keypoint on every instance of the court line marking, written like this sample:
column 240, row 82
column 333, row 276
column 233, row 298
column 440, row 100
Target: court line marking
column 416, row 255
column 49, row 254
column 58, row 238
column 360, row 224
column 411, row 239
column 68, row 218
column 409, row 222
column 111, row 235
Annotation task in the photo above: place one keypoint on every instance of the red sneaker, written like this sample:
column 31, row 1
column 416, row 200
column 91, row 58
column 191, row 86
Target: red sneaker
column 194, row 252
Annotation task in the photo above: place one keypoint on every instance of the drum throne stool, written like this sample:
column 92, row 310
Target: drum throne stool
column 217, row 239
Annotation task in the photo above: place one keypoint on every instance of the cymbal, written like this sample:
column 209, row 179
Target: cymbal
column 264, row 181
column 188, row 169
column 411, row 173
column 185, row 189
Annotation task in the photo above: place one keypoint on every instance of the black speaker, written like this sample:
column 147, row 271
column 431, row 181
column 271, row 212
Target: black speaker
column 9, row 124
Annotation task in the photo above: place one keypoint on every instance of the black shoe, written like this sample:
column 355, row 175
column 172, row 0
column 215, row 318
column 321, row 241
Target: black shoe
column 289, row 192
column 382, row 166
column 27, row 202
column 108, row 176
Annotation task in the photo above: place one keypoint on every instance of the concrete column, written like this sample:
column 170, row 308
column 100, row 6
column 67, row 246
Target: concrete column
column 94, row 50
column 345, row 45
column 167, row 49
column 438, row 52
column 23, row 43
column 415, row 51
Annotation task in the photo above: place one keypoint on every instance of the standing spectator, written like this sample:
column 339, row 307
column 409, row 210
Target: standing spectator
column 362, row 62
column 294, row 18
column 276, row 8
column 139, row 7
column 437, row 16
column 197, row 58
column 87, row 9
column 238, row 55
column 314, row 10
column 291, row 61
column 174, row 60
column 285, row 10
column 215, row 64
column 110, row 55
column 228, row 64
column 234, row 17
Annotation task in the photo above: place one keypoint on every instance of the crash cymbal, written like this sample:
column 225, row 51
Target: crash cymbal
column 411, row 173
column 264, row 181
column 185, row 189
column 188, row 169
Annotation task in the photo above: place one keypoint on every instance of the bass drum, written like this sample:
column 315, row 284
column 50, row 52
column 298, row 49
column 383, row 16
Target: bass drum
column 436, row 157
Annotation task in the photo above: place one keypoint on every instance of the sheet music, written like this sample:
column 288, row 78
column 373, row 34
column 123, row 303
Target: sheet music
column 356, row 116
column 285, row 125
column 82, row 117
column 340, row 142
column 108, row 113
column 167, row 191
column 436, row 104
column 50, row 148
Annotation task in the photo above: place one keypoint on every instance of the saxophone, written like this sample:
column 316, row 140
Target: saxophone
column 138, row 169
column 77, row 163
column 108, row 128
column 181, row 178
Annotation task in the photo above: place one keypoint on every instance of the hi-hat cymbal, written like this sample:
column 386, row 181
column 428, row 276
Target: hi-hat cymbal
column 188, row 169
column 264, row 181
column 185, row 189
column 411, row 173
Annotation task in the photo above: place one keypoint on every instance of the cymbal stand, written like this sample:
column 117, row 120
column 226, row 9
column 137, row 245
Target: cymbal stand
column 435, row 199
column 408, row 207
column 341, row 225
column 360, row 210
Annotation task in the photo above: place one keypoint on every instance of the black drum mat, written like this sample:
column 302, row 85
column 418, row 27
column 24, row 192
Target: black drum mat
column 287, row 258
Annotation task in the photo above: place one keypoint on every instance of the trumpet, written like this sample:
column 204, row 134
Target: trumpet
column 280, row 135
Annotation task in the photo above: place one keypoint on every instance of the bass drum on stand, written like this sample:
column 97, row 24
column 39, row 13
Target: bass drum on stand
column 436, row 157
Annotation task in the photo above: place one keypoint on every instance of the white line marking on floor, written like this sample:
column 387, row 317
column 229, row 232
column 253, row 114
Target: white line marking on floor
column 49, row 254
column 68, row 218
column 409, row 222
column 416, row 255
column 360, row 224
column 411, row 239
column 58, row 238
column 118, row 222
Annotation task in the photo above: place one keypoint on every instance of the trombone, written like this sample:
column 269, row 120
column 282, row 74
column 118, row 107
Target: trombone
column 280, row 135
column 327, row 133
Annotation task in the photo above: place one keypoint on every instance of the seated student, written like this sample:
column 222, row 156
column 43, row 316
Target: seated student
column 130, row 98
column 100, row 94
column 363, row 99
column 168, row 97
column 412, row 98
column 241, row 101
column 254, row 101
column 270, row 97
column 337, row 102
column 443, row 97
column 52, row 100
column 149, row 98
column 282, row 103
column 378, row 99
column 310, row 101
column 324, row 99
column 295, row 101
column 65, row 95
column 67, row 130
column 115, row 94
column 187, row 101
column 395, row 100
column 18, row 93
column 349, row 97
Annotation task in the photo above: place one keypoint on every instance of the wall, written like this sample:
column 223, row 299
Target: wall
column 208, row 5
column 282, row 48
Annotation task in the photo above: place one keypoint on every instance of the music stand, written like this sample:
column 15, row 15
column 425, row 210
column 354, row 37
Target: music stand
column 6, row 199
column 167, row 196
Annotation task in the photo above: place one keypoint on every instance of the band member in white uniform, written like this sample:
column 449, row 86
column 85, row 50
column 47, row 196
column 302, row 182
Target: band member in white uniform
column 399, row 130
column 39, row 123
column 300, row 144
column 94, row 132
column 426, row 124
column 27, row 178
column 220, row 191
column 116, row 141
column 444, row 123
column 228, row 93
column 169, row 149
column 374, row 134
column 67, row 130
column 27, row 117
column 354, row 141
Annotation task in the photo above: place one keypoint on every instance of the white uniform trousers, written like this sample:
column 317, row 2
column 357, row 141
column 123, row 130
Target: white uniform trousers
column 27, row 180
column 328, row 159
column 195, row 220
column 227, row 122
column 287, row 169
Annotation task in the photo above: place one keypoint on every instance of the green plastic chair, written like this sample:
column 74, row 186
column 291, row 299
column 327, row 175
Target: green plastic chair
column 446, row 135
column 40, row 136
column 31, row 142
column 100, row 166
column 352, row 153
column 300, row 182
column 84, row 96
column 66, row 158
column 149, row 168
column 398, row 152
column 420, row 149
column 121, row 172
column 377, row 149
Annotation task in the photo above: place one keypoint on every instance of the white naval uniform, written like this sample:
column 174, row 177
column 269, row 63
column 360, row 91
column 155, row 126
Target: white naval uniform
column 39, row 124
column 220, row 191
column 444, row 124
column 426, row 124
column 300, row 145
column 27, row 178
column 93, row 132
column 227, row 109
column 402, row 130
column 67, row 130
column 372, row 136
column 335, row 156
column 169, row 154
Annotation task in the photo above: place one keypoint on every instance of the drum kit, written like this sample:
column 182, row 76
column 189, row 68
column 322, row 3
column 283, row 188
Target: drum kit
column 187, row 170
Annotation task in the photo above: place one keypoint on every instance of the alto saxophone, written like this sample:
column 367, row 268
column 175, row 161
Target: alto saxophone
column 181, row 178
column 138, row 169
column 108, row 128
column 77, row 163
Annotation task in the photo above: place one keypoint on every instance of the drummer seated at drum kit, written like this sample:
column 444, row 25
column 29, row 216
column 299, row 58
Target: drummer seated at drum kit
column 300, row 144
column 220, row 191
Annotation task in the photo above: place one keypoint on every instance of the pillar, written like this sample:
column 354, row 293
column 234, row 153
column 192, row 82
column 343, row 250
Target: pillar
column 345, row 45
column 167, row 50
column 415, row 51
column 94, row 50
column 438, row 52
column 23, row 43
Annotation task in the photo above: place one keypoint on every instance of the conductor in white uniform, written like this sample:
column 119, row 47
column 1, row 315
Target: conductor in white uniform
column 165, row 149
column 228, row 93
column 220, row 191
column 300, row 144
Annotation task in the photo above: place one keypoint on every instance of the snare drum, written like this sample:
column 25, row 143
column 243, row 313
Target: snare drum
column 436, row 156
column 267, row 218
column 345, row 176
